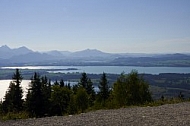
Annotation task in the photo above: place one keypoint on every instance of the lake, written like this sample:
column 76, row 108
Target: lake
column 4, row 84
column 106, row 69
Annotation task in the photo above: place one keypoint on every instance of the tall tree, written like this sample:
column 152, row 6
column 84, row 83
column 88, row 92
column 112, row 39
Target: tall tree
column 62, row 84
column 13, row 98
column 90, row 91
column 104, row 89
column 119, row 91
column 131, row 89
column 35, row 97
column 60, row 98
column 137, row 89
column 87, row 84
column 46, row 90
column 82, row 99
column 84, row 80
column 56, row 82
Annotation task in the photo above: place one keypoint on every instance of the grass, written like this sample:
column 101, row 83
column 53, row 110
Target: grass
column 14, row 116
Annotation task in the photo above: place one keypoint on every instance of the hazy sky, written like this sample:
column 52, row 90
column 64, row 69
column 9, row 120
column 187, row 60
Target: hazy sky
column 147, row 26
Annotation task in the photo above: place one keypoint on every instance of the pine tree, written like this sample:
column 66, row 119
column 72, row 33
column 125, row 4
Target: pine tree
column 104, row 89
column 87, row 84
column 46, row 90
column 13, row 101
column 35, row 97
column 119, row 91
column 62, row 84
column 90, row 91
column 83, row 80
column 56, row 83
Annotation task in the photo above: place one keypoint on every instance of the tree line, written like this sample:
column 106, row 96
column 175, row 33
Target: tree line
column 46, row 99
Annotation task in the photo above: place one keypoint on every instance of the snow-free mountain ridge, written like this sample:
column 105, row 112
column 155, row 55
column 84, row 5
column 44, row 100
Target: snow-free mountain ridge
column 25, row 56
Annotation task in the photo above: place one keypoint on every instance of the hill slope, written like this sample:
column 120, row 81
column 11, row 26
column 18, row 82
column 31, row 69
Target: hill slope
column 170, row 114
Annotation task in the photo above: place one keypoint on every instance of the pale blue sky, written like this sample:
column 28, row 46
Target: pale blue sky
column 131, row 26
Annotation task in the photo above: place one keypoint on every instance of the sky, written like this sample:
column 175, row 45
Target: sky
column 114, row 26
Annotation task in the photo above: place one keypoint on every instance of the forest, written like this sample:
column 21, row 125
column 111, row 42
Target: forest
column 45, row 98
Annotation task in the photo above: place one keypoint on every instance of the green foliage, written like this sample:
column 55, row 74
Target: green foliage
column 119, row 92
column 137, row 89
column 87, row 84
column 82, row 99
column 13, row 101
column 46, row 93
column 43, row 99
column 60, row 98
column 72, row 108
column 165, row 101
column 131, row 90
column 104, row 89
column 62, row 84
column 15, row 115
column 35, row 99
column 83, row 81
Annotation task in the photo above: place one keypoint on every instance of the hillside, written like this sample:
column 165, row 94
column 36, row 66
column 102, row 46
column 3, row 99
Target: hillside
column 169, row 114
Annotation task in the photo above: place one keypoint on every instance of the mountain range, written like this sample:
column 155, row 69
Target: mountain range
column 25, row 56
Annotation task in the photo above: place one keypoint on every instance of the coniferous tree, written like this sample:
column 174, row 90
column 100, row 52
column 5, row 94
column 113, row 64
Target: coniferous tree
column 62, row 84
column 46, row 91
column 56, row 83
column 83, row 80
column 35, row 97
column 104, row 89
column 7, row 105
column 18, row 101
column 87, row 84
column 13, row 101
column 90, row 91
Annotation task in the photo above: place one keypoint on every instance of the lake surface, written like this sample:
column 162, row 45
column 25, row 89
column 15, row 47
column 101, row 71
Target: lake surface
column 4, row 84
column 106, row 69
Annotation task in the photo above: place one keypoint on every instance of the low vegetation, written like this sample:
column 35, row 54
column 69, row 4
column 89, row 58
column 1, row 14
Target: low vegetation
column 46, row 99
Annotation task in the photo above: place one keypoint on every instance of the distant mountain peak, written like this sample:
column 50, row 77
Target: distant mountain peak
column 91, row 50
column 7, row 53
column 5, row 48
column 90, row 53
column 24, row 49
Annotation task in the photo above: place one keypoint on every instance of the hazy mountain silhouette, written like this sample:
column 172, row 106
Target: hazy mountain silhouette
column 90, row 53
column 6, row 52
column 23, row 55
column 55, row 53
